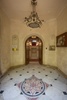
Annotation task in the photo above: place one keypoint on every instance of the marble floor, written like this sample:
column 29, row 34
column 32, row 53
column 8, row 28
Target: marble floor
column 57, row 89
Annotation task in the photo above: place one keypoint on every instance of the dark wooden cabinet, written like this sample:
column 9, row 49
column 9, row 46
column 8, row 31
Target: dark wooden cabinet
column 61, row 40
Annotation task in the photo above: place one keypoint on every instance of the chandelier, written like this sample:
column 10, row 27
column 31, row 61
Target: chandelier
column 33, row 20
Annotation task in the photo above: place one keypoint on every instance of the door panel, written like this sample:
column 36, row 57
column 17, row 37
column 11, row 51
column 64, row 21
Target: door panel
column 34, row 53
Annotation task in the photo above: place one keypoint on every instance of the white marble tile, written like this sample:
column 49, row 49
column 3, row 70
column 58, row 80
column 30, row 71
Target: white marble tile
column 44, row 97
column 7, row 85
column 59, row 85
column 48, row 80
column 1, row 97
column 11, row 93
column 20, row 97
column 39, row 75
column 5, row 79
column 53, row 93
column 64, row 97
column 62, row 79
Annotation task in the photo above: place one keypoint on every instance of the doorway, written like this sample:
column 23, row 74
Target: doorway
column 33, row 50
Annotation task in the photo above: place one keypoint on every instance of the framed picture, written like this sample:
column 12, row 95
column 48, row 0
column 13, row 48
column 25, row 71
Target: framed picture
column 61, row 40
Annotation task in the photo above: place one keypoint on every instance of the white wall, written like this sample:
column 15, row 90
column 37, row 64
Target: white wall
column 47, row 33
column 62, row 51
column 4, row 42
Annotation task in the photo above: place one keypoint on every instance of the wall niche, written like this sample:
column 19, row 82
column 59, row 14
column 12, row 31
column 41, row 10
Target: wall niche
column 15, row 43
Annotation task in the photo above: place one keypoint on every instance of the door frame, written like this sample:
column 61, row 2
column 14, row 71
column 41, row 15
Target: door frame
column 27, row 51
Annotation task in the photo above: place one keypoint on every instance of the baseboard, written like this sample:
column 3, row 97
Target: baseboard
column 17, row 66
column 0, row 74
column 62, row 73
column 55, row 67
column 9, row 69
column 50, row 66
column 4, row 73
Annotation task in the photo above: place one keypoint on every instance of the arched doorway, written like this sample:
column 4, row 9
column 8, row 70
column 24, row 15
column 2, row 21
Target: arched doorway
column 33, row 50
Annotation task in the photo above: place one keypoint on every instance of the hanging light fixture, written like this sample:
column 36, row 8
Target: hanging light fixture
column 33, row 20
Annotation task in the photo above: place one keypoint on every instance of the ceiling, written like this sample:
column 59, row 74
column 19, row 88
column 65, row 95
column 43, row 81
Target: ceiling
column 19, row 9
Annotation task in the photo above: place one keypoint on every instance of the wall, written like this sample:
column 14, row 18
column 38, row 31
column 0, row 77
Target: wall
column 61, row 51
column 47, row 33
column 0, row 47
column 4, row 42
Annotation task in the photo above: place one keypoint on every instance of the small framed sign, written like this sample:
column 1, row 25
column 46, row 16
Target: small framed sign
column 52, row 47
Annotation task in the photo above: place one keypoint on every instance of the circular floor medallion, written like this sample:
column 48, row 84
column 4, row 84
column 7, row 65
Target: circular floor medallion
column 33, row 87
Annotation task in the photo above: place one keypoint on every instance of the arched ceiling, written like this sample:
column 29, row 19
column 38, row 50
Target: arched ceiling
column 19, row 9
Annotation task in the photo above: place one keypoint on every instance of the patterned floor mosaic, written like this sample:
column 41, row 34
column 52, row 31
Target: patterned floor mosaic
column 20, row 83
column 33, row 87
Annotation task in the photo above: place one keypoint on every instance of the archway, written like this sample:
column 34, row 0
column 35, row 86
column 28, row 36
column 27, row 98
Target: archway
column 33, row 49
